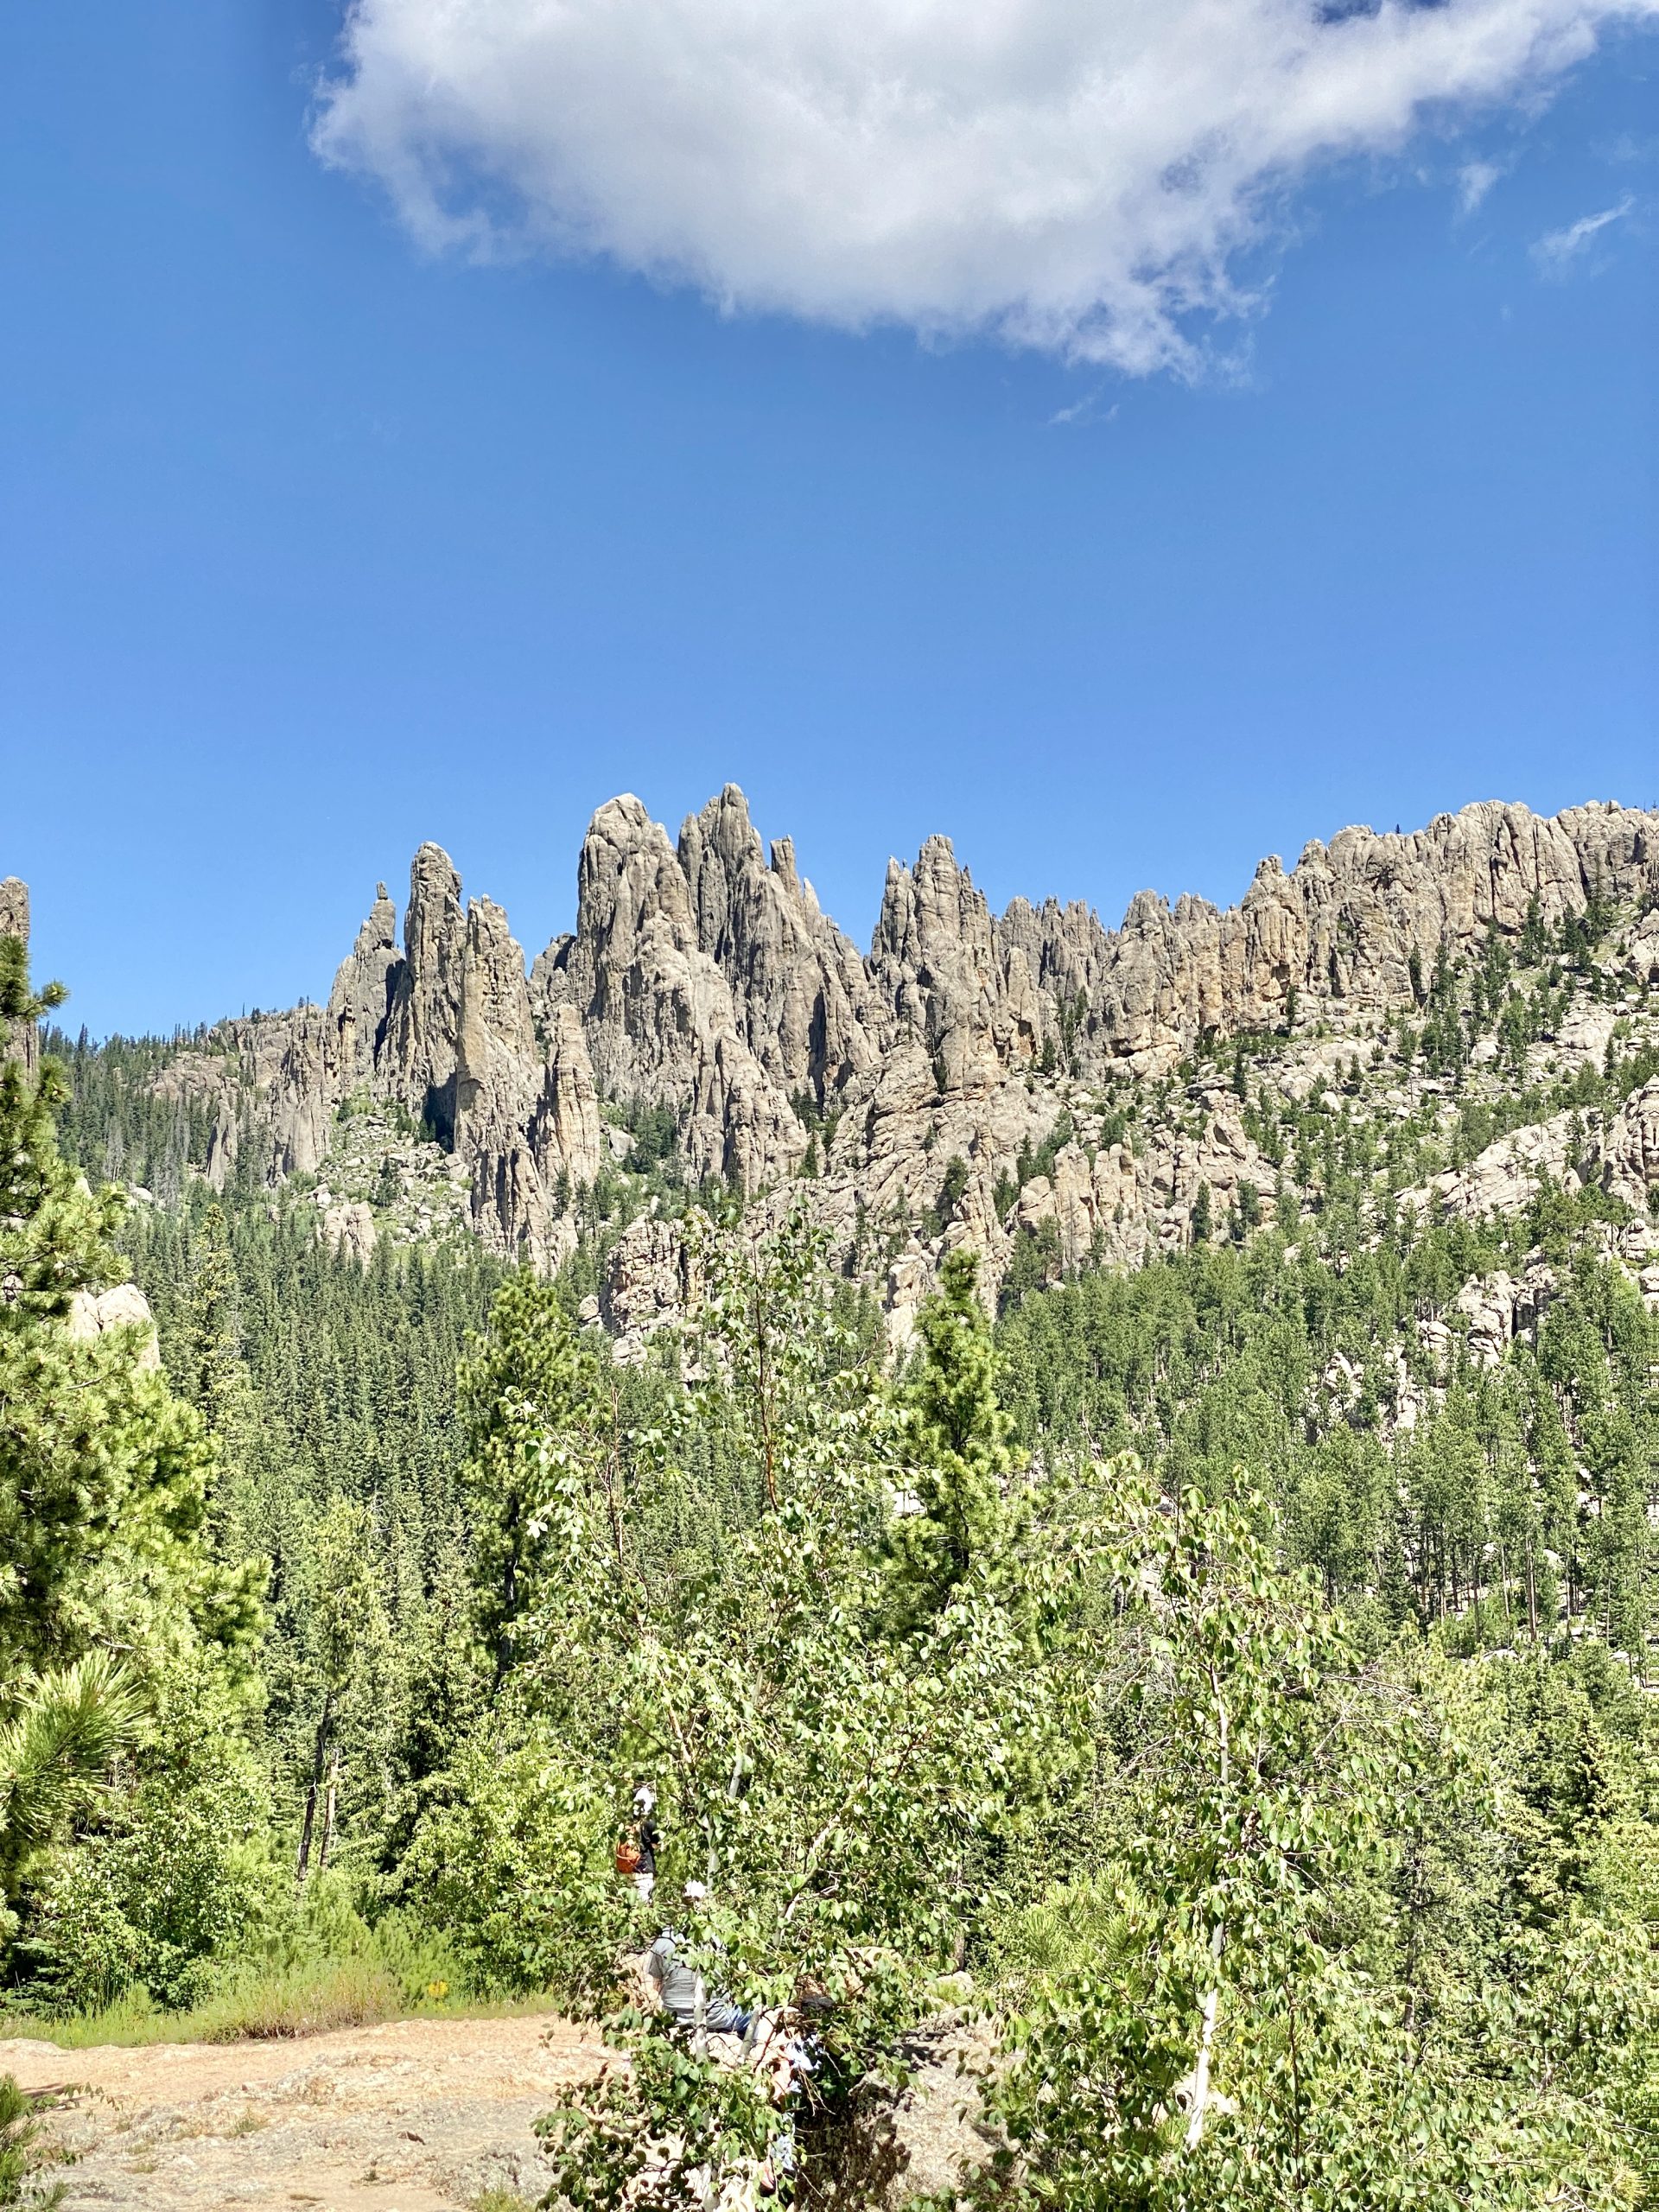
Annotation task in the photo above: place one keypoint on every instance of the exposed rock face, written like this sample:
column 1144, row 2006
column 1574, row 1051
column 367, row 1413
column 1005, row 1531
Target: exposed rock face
column 1620, row 1153
column 423, row 1018
column 657, row 1009
column 800, row 994
column 443, row 1032
column 349, row 1229
column 941, row 975
column 1505, row 1177
column 496, row 1085
column 360, row 1003
column 1498, row 1309
column 1343, row 924
column 1630, row 1149
column 95, row 1313
column 703, row 979
column 1641, row 953
column 646, row 1284
column 272, row 1085
column 566, row 1132
column 18, row 1039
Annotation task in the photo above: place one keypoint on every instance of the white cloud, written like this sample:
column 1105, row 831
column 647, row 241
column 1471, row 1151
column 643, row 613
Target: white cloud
column 1079, row 175
column 1082, row 410
column 1475, row 181
column 1556, row 251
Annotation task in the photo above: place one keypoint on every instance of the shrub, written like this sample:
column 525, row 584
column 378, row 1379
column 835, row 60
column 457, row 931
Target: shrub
column 162, row 1898
column 22, row 2153
column 516, row 1871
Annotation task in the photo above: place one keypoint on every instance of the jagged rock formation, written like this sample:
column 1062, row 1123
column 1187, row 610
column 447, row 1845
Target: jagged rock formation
column 943, row 975
column 906, row 1094
column 800, row 992
column 657, row 1009
column 417, row 1055
column 360, row 1003
column 493, row 1085
column 1343, row 924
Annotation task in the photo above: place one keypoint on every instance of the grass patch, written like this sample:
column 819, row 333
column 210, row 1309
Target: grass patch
column 303, row 2000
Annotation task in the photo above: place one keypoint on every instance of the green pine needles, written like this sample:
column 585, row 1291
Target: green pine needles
column 957, row 1448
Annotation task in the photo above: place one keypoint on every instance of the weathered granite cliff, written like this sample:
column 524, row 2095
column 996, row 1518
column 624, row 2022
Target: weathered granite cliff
column 908, row 1092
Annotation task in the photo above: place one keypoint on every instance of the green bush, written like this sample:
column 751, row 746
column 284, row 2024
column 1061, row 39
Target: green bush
column 21, row 2153
column 173, row 1889
column 515, row 1866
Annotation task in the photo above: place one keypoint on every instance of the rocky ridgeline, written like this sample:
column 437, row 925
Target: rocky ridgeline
column 907, row 1091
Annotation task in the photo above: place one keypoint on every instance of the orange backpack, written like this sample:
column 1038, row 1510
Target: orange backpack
column 627, row 1854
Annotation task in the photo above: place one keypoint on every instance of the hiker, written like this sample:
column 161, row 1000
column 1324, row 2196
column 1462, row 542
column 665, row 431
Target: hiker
column 643, row 1838
column 636, row 1846
column 681, row 1990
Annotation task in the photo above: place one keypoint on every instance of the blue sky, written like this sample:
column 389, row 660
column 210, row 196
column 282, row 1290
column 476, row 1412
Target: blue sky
column 324, row 538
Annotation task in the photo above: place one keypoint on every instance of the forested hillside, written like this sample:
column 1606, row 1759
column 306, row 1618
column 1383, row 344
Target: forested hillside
column 1218, row 1642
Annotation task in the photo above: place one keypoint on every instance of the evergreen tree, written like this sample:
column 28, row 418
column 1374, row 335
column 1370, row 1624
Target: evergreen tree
column 957, row 1448
column 104, row 1474
column 351, row 1675
column 531, row 1406
column 109, row 1597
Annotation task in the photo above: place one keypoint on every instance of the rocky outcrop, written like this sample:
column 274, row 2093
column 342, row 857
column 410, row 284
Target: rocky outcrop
column 1344, row 924
column 272, row 1085
column 496, row 1087
column 1641, row 953
column 645, row 1286
column 986, row 997
column 1630, row 1149
column 1619, row 1151
column 1507, row 1176
column 566, row 1133
column 800, row 994
column 360, row 1005
column 19, row 1040
column 94, row 1313
column 942, row 976
column 418, row 1060
column 657, row 1009
column 907, row 1087
column 348, row 1230
column 1497, row 1308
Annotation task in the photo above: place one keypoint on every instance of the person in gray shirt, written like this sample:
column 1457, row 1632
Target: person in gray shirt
column 682, row 1991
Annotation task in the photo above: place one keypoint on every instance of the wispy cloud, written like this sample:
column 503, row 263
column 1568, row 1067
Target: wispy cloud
column 1083, row 411
column 1475, row 181
column 1557, row 251
column 1084, row 176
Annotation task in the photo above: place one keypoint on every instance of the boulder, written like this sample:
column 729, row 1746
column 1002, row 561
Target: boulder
column 96, row 1313
column 349, row 1232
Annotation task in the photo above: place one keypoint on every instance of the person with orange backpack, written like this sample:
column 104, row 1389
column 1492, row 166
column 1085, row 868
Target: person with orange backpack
column 636, row 1851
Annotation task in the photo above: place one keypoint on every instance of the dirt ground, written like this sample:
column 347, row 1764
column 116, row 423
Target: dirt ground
column 414, row 2116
